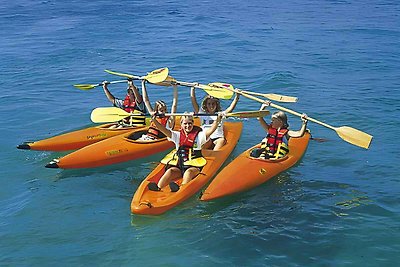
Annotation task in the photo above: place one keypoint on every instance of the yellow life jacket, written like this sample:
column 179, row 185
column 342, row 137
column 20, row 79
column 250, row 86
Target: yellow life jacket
column 195, row 161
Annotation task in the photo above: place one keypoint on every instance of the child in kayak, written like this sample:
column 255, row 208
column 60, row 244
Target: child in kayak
column 275, row 144
column 132, row 103
column 188, row 143
column 160, row 108
column 211, row 105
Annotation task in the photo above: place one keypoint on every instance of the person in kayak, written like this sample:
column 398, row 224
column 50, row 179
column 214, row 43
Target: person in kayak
column 275, row 144
column 132, row 103
column 211, row 105
column 188, row 143
column 160, row 108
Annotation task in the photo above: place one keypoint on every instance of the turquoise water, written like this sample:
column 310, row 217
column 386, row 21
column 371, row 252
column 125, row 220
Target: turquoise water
column 338, row 207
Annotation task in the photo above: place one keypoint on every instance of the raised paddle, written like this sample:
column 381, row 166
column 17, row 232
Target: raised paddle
column 91, row 86
column 112, row 114
column 216, row 90
column 241, row 114
column 348, row 134
column 156, row 76
column 274, row 97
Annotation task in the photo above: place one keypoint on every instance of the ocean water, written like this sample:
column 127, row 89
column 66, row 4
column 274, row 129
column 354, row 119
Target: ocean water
column 338, row 207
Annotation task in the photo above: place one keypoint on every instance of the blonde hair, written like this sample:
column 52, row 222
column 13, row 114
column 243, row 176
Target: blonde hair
column 281, row 116
column 204, row 103
column 187, row 116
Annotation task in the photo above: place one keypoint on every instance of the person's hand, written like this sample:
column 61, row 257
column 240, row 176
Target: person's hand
column 130, row 82
column 223, row 114
column 266, row 103
column 304, row 118
column 105, row 83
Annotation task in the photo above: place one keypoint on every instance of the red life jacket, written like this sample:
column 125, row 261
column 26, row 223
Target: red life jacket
column 186, row 144
column 274, row 138
column 129, row 105
column 154, row 131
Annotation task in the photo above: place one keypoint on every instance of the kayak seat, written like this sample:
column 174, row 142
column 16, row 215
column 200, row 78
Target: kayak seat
column 137, row 134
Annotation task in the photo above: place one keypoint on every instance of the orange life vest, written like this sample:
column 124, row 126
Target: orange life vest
column 154, row 131
column 274, row 138
column 186, row 144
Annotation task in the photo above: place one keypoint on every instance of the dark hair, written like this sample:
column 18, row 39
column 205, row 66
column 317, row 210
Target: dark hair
column 204, row 103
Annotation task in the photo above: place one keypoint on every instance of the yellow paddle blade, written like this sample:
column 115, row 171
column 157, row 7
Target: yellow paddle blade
column 249, row 114
column 354, row 136
column 85, row 86
column 108, row 114
column 169, row 81
column 157, row 76
column 218, row 90
column 274, row 97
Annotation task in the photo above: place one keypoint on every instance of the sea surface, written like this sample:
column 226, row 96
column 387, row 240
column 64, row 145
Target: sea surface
column 338, row 207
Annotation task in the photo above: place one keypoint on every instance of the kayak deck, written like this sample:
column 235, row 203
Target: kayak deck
column 117, row 149
column 157, row 202
column 77, row 139
column 246, row 172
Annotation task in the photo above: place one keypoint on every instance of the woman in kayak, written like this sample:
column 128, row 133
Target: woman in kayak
column 188, row 143
column 211, row 105
column 133, row 103
column 275, row 144
column 160, row 108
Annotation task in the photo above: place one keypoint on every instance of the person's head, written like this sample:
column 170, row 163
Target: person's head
column 160, row 107
column 279, row 120
column 187, row 123
column 130, row 93
column 211, row 104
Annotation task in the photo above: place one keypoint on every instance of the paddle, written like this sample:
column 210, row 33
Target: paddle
column 156, row 76
column 112, row 114
column 241, row 114
column 216, row 90
column 274, row 97
column 348, row 134
column 91, row 86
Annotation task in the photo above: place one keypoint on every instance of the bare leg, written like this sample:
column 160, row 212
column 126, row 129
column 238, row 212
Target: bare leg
column 190, row 174
column 170, row 174
column 220, row 142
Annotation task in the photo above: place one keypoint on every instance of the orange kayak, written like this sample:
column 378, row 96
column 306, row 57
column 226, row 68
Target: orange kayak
column 246, row 172
column 116, row 149
column 76, row 139
column 157, row 202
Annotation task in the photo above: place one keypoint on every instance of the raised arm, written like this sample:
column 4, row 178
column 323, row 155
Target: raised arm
column 214, row 126
column 194, row 101
column 138, row 97
column 302, row 130
column 161, row 127
column 174, row 107
column 108, row 94
column 146, row 98
column 233, row 104
column 263, row 123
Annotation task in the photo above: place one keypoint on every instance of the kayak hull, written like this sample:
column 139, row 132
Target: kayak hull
column 149, row 202
column 113, row 150
column 77, row 139
column 117, row 149
column 245, row 172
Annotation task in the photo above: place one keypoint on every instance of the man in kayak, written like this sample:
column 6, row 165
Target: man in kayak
column 275, row 144
column 211, row 106
column 160, row 108
column 133, row 103
column 188, row 143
